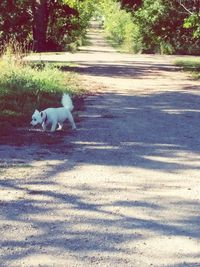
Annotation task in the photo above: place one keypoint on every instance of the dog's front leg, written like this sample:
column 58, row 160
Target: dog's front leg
column 44, row 126
column 71, row 120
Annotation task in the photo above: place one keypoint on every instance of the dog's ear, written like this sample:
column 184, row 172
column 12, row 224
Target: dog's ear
column 36, row 112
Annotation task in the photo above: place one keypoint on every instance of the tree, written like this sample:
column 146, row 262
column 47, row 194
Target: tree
column 43, row 23
column 40, row 22
column 51, row 21
column 15, row 21
column 155, row 26
column 162, row 28
column 192, row 9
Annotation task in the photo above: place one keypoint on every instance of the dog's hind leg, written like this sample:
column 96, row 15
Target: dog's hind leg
column 53, row 126
column 60, row 126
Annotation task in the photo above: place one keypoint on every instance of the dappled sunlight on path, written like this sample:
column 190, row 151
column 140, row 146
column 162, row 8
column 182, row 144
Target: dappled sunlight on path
column 123, row 190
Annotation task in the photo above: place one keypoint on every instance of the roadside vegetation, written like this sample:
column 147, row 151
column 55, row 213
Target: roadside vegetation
column 190, row 64
column 153, row 26
column 24, row 87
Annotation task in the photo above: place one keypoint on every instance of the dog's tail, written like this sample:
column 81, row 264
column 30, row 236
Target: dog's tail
column 67, row 102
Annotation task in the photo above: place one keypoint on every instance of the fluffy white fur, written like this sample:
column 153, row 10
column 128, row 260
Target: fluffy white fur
column 55, row 116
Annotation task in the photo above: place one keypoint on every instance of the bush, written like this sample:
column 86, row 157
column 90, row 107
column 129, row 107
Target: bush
column 120, row 28
column 132, row 38
column 191, row 65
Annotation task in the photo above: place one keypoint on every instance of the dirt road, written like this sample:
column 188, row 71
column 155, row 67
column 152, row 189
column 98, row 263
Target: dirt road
column 124, row 189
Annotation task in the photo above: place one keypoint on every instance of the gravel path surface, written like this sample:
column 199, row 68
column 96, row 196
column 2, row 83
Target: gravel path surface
column 122, row 190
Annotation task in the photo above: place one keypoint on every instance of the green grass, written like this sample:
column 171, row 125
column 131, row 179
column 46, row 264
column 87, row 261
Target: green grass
column 24, row 88
column 191, row 65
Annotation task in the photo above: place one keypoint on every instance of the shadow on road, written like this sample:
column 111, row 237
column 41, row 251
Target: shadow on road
column 126, row 130
column 155, row 132
column 104, row 221
column 121, row 70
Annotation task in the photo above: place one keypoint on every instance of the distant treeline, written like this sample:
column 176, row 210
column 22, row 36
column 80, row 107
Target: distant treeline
column 145, row 26
column 154, row 26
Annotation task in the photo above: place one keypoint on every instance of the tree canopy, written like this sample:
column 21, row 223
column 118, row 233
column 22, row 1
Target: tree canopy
column 153, row 26
column 44, row 24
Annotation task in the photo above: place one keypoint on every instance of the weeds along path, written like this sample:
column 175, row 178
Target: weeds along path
column 123, row 190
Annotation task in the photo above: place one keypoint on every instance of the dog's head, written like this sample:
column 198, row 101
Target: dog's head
column 37, row 118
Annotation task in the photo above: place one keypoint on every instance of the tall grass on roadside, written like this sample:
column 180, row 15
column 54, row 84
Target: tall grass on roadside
column 13, row 51
column 24, row 88
column 190, row 64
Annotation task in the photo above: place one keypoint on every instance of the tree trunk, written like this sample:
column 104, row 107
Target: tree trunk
column 40, row 21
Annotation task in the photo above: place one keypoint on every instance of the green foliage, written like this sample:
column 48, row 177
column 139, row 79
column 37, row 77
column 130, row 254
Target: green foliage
column 189, row 64
column 193, row 22
column 148, row 18
column 120, row 27
column 58, row 24
column 153, row 26
column 80, row 24
column 15, row 21
column 161, row 25
column 149, row 26
column 192, row 65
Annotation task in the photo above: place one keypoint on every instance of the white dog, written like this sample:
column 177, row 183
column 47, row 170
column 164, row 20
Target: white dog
column 55, row 116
